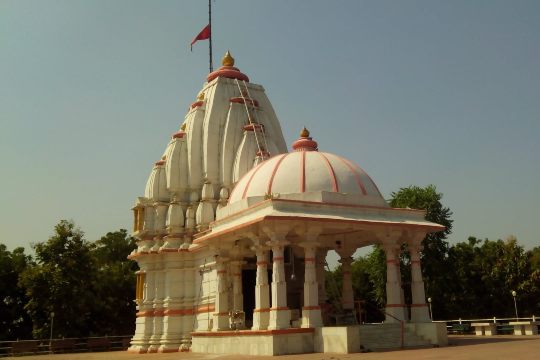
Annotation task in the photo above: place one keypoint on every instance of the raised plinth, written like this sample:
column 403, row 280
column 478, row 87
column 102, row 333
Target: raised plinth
column 254, row 342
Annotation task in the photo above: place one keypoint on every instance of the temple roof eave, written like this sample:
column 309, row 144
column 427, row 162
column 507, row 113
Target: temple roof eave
column 280, row 210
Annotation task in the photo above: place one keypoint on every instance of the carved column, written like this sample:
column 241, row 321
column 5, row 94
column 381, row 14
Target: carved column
column 419, row 308
column 394, row 301
column 280, row 315
column 238, row 295
column 347, row 293
column 311, row 312
column 221, row 315
column 261, row 313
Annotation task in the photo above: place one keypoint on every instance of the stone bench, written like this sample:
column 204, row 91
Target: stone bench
column 525, row 327
column 485, row 328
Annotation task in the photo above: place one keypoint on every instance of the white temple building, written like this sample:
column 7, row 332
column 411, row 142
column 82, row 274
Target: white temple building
column 233, row 232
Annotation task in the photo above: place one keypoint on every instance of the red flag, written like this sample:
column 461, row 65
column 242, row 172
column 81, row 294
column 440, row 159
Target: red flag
column 203, row 35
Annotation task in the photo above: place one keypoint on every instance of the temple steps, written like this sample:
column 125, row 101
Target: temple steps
column 388, row 336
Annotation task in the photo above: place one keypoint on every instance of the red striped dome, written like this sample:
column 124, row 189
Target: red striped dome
column 308, row 170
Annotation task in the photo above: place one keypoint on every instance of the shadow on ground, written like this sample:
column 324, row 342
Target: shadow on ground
column 464, row 340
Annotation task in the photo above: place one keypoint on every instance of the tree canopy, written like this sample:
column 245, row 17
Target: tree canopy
column 14, row 321
column 89, row 286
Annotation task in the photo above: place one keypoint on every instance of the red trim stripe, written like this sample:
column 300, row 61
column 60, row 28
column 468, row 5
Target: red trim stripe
column 356, row 175
column 269, row 191
column 370, row 179
column 249, row 181
column 261, row 310
column 331, row 171
column 302, row 171
column 279, row 308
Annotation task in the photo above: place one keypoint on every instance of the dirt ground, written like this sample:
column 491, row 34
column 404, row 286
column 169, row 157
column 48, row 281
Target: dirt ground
column 460, row 348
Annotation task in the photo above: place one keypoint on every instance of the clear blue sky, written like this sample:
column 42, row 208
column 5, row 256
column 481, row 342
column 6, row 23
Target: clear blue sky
column 416, row 92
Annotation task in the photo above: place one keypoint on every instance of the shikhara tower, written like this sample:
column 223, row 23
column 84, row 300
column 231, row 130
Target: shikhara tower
column 226, row 200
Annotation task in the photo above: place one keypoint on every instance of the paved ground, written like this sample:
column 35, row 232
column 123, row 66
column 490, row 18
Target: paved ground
column 461, row 348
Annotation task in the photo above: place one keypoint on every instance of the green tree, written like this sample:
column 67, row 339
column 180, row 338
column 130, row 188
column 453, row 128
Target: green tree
column 14, row 321
column 115, row 283
column 61, row 282
column 366, row 272
column 483, row 274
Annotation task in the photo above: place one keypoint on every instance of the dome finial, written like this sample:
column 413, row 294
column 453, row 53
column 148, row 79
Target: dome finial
column 227, row 60
column 305, row 142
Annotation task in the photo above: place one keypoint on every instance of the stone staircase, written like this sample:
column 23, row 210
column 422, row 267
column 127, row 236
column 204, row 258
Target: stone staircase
column 388, row 336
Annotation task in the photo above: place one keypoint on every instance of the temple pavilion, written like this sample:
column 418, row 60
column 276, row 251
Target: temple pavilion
column 233, row 232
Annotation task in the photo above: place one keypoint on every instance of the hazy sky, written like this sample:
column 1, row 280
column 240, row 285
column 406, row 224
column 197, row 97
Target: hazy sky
column 415, row 92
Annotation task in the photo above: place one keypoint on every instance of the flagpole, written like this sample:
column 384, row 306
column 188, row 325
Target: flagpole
column 210, row 38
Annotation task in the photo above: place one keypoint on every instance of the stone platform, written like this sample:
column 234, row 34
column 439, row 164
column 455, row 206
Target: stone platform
column 339, row 339
column 248, row 342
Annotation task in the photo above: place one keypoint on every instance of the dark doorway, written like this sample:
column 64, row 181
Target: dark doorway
column 248, row 289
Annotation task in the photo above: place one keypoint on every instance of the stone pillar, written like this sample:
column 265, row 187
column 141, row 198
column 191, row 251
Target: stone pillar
column 311, row 312
column 238, row 295
column 347, row 293
column 261, row 313
column 394, row 303
column 221, row 315
column 280, row 315
column 419, row 308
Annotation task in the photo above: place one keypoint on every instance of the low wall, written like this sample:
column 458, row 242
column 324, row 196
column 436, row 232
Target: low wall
column 338, row 339
column 247, row 342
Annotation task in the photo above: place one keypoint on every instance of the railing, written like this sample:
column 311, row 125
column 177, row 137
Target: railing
column 69, row 345
column 463, row 326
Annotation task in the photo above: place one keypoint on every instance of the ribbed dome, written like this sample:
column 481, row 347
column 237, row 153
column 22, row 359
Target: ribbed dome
column 307, row 170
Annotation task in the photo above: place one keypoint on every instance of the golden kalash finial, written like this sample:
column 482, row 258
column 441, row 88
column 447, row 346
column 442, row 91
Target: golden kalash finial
column 183, row 127
column 200, row 96
column 227, row 60
column 304, row 133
